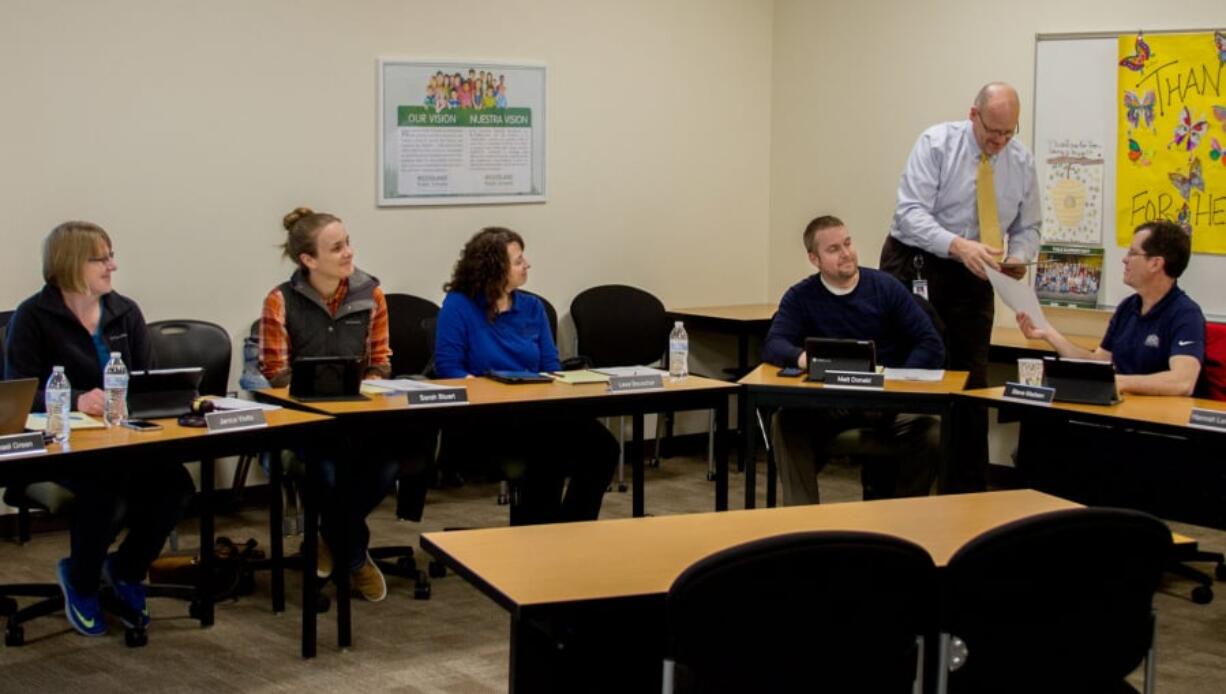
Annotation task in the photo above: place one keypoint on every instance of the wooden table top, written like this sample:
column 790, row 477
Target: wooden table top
column 483, row 391
column 735, row 312
column 1159, row 409
column 768, row 375
column 543, row 564
column 1012, row 337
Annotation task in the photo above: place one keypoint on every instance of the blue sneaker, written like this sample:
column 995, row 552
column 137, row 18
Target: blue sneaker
column 132, row 595
column 83, row 611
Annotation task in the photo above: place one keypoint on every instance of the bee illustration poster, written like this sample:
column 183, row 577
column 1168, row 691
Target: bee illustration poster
column 1171, row 103
column 1073, row 191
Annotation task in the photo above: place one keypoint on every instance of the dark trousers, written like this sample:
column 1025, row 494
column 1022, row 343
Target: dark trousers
column 966, row 305
column 372, row 472
column 540, row 457
column 147, row 499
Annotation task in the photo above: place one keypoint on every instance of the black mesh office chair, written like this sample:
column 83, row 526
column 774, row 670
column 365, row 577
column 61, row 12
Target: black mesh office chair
column 410, row 348
column 185, row 343
column 1061, row 601
column 810, row 611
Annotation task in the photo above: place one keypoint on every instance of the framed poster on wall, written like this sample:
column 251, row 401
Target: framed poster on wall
column 461, row 132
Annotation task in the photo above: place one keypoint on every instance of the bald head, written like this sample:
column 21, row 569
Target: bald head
column 994, row 116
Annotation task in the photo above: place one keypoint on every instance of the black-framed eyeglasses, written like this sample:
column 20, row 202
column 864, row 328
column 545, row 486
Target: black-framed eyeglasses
column 108, row 258
column 1006, row 134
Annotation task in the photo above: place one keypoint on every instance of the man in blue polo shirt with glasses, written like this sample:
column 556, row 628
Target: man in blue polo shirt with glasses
column 1156, row 339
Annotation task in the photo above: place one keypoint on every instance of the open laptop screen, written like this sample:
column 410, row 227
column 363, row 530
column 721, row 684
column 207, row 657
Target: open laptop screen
column 835, row 354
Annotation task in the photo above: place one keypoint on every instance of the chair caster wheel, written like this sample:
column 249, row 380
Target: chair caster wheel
column 1220, row 572
column 1202, row 595
column 322, row 604
column 405, row 566
column 14, row 635
column 437, row 569
column 421, row 589
column 135, row 637
column 622, row 487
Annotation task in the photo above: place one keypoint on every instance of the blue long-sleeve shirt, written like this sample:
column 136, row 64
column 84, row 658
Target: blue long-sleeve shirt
column 466, row 342
column 878, row 309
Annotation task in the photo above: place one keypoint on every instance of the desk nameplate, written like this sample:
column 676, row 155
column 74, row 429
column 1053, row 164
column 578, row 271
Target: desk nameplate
column 1214, row 420
column 438, row 398
column 234, row 420
column 859, row 380
column 22, row 444
column 619, row 384
column 1033, row 395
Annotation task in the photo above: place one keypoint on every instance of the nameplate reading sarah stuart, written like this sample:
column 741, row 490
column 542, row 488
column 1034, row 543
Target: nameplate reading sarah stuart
column 447, row 396
column 232, row 420
column 22, row 444
column 618, row 384
column 1207, row 419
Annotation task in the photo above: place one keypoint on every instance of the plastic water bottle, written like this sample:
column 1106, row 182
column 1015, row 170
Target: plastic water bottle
column 115, row 383
column 678, row 352
column 59, row 404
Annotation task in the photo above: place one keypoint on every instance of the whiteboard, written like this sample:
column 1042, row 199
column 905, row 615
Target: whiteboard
column 1074, row 98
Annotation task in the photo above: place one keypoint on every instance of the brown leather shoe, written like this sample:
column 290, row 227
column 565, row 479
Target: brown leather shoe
column 369, row 581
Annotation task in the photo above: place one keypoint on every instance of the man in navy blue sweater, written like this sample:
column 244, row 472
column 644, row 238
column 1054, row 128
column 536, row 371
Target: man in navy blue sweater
column 844, row 300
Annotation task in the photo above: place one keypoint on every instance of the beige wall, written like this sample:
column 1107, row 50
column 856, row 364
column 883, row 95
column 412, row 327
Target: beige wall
column 188, row 129
column 856, row 81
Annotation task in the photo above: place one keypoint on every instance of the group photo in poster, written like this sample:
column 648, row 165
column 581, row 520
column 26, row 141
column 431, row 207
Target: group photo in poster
column 1069, row 275
column 1172, row 131
column 461, row 132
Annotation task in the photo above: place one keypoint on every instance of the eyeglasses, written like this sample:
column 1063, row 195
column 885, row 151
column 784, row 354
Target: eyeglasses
column 108, row 258
column 1006, row 134
column 1133, row 254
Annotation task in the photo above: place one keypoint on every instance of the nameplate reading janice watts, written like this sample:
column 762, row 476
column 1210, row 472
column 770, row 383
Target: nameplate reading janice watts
column 22, row 444
column 1207, row 419
column 449, row 396
column 618, row 384
column 230, row 420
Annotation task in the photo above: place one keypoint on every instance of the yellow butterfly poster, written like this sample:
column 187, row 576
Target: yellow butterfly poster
column 1171, row 103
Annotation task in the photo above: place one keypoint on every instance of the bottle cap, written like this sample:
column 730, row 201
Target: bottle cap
column 115, row 354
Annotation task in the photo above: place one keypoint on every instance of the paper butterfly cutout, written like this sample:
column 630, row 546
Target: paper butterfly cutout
column 1215, row 152
column 1136, row 61
column 1185, row 184
column 1219, row 40
column 1142, row 108
column 1188, row 133
column 1184, row 219
column 1135, row 155
column 1219, row 112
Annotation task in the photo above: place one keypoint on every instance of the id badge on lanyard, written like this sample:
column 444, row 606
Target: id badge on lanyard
column 919, row 285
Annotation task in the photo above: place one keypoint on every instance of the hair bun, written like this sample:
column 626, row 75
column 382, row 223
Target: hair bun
column 294, row 217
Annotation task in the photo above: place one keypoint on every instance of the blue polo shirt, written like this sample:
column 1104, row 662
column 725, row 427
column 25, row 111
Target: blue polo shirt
column 466, row 342
column 1144, row 344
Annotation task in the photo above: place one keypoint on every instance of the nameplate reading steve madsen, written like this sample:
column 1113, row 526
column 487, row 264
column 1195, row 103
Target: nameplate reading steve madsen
column 1038, row 395
column 230, row 420
column 22, row 444
column 449, row 396
column 1207, row 419
column 618, row 384
column 854, row 379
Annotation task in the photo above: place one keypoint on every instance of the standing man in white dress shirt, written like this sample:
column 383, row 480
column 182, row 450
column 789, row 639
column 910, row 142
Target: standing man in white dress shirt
column 967, row 199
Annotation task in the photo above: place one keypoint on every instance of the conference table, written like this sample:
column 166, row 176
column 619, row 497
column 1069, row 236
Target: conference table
column 579, row 593
column 1009, row 344
column 764, row 388
column 387, row 415
column 174, row 444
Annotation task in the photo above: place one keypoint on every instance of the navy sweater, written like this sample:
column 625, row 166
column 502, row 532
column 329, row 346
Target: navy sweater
column 878, row 309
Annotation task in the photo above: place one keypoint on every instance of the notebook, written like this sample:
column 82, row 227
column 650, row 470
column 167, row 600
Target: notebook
column 163, row 392
column 321, row 379
column 836, row 354
column 16, row 398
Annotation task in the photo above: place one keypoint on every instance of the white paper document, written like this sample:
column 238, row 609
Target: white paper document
column 404, row 385
column 930, row 375
column 630, row 371
column 237, row 404
column 1018, row 296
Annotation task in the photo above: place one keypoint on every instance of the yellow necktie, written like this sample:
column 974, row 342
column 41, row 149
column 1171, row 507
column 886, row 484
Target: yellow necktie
column 985, row 191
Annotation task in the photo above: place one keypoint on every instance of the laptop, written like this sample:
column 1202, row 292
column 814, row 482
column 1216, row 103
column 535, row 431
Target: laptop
column 324, row 379
column 16, row 398
column 1084, row 381
column 837, row 354
column 161, row 393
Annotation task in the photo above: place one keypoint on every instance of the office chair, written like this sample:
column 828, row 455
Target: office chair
column 189, row 343
column 410, row 347
column 1058, row 601
column 619, row 325
column 861, row 603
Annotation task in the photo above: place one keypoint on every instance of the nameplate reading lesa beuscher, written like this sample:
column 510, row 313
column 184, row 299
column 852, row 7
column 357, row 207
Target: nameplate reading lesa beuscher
column 1207, row 419
column 231, row 420
column 449, row 396
column 22, row 444
column 1036, row 395
column 862, row 380
column 618, row 384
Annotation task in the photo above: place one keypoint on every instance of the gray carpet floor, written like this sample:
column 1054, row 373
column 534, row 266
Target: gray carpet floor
column 455, row 642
